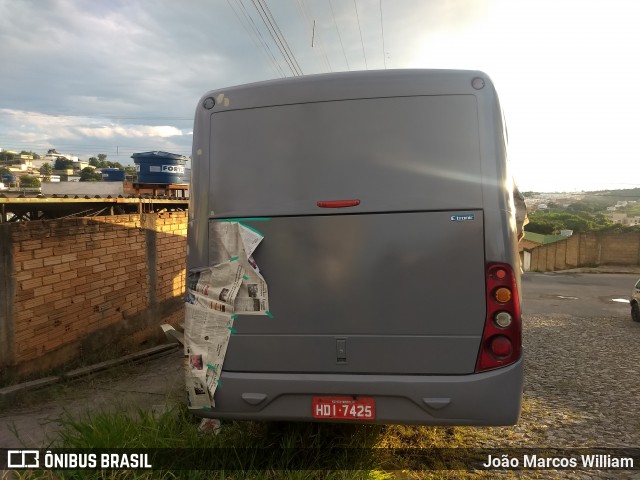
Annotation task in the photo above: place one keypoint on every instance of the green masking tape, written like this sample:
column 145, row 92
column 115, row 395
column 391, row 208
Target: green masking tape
column 252, row 229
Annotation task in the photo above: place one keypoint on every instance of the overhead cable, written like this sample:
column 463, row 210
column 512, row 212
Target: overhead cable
column 339, row 36
column 384, row 57
column 361, row 41
column 256, row 37
column 282, row 46
column 302, row 7
column 279, row 33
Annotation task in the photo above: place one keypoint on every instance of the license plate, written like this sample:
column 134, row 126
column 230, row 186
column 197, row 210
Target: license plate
column 344, row 408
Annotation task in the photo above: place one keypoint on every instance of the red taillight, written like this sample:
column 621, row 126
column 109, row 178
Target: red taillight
column 338, row 203
column 501, row 339
column 501, row 346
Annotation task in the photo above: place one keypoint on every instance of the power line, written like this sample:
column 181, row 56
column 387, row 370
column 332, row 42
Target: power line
column 256, row 41
column 339, row 36
column 279, row 33
column 325, row 57
column 384, row 58
column 282, row 45
column 255, row 27
column 259, row 33
column 361, row 41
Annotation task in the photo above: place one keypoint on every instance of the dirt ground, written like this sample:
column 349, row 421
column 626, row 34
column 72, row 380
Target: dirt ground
column 32, row 419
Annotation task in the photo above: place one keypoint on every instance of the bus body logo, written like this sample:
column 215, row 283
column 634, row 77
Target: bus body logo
column 463, row 217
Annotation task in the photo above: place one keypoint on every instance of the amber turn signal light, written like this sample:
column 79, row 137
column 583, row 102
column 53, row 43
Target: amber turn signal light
column 503, row 295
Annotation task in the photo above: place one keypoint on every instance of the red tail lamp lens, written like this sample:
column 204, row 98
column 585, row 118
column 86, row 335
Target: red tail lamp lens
column 501, row 346
column 338, row 203
column 500, row 274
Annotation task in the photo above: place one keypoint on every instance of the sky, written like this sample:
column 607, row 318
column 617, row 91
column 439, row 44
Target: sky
column 121, row 76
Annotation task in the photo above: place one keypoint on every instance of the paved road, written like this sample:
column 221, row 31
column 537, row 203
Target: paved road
column 551, row 301
column 579, row 294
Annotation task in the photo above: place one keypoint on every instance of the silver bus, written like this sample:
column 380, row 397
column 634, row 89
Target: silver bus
column 389, row 250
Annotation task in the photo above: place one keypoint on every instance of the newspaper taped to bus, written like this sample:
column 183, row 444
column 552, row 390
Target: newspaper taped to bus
column 234, row 240
column 207, row 345
column 215, row 296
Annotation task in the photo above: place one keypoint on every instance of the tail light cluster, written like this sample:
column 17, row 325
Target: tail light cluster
column 502, row 335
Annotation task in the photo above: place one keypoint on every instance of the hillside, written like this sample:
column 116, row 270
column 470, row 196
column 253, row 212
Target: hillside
column 598, row 211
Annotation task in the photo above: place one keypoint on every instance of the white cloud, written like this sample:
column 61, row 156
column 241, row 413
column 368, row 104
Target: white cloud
column 91, row 75
column 86, row 135
column 129, row 131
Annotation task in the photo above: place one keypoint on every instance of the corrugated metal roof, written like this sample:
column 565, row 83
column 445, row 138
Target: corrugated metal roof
column 543, row 239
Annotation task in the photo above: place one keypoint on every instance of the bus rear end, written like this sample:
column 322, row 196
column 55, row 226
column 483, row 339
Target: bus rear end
column 389, row 247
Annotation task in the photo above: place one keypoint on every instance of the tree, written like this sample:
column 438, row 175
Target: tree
column 51, row 150
column 62, row 164
column 618, row 228
column 581, row 206
column 88, row 174
column 541, row 226
column 93, row 161
column 130, row 171
column 33, row 154
column 6, row 157
column 29, row 181
column 45, row 171
column 552, row 223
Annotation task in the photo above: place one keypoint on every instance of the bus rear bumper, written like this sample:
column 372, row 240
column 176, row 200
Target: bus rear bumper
column 489, row 398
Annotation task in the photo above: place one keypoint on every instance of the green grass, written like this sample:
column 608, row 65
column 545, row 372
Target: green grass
column 177, row 428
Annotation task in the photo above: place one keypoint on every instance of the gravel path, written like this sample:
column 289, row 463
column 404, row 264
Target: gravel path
column 582, row 389
column 585, row 373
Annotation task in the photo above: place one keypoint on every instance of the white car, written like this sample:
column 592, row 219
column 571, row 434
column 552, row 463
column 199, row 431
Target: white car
column 635, row 298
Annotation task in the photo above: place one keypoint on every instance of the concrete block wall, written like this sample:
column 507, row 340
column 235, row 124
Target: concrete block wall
column 587, row 249
column 76, row 286
column 615, row 251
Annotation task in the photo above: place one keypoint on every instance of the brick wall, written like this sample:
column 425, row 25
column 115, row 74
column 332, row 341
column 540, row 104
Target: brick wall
column 587, row 249
column 77, row 287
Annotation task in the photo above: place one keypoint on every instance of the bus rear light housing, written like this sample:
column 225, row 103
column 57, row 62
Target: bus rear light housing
column 501, row 343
